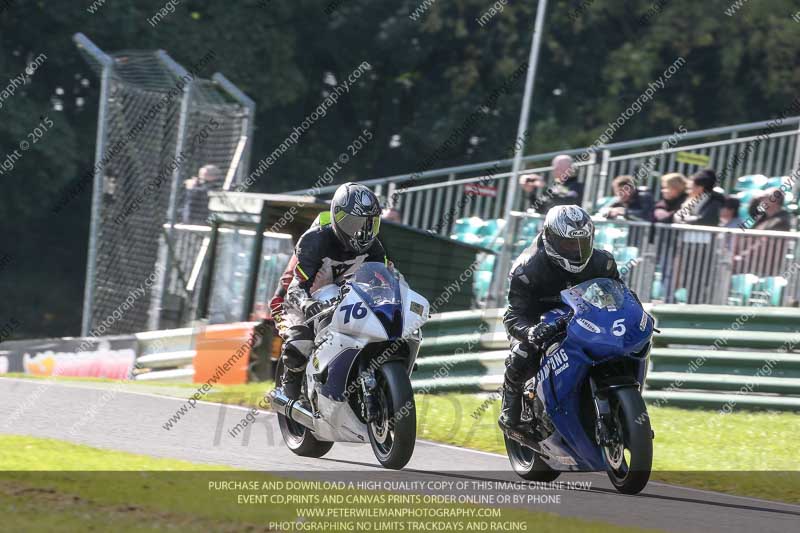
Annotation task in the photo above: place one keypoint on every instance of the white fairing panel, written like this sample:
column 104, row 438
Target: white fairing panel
column 416, row 310
column 353, row 326
column 355, row 319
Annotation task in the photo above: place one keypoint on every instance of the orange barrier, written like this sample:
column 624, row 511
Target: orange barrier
column 223, row 353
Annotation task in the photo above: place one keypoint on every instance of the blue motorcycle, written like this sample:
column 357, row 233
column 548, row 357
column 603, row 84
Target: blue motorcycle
column 583, row 411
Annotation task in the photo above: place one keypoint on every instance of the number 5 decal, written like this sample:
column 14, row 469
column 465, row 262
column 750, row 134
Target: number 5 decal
column 618, row 328
column 355, row 310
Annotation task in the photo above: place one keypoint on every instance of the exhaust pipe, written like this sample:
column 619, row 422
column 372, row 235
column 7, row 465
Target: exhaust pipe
column 526, row 440
column 293, row 409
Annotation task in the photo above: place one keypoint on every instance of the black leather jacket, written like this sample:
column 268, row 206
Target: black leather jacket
column 536, row 284
column 323, row 259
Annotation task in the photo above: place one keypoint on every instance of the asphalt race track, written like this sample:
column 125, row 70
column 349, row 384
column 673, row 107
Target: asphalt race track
column 132, row 421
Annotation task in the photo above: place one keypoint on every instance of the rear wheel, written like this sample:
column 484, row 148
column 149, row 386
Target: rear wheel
column 296, row 436
column 394, row 433
column 526, row 463
column 630, row 457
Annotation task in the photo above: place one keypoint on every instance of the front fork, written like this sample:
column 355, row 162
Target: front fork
column 603, row 419
column 366, row 378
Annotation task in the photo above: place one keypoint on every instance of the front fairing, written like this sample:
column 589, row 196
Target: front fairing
column 608, row 321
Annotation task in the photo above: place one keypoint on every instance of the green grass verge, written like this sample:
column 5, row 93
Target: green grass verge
column 188, row 498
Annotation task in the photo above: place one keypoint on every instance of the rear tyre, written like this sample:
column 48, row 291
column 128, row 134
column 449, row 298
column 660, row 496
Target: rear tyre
column 394, row 434
column 297, row 437
column 526, row 463
column 630, row 460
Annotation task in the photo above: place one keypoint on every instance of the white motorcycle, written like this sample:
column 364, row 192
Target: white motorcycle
column 357, row 384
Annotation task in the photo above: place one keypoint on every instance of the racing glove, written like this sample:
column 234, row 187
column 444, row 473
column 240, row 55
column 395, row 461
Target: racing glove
column 311, row 308
column 540, row 334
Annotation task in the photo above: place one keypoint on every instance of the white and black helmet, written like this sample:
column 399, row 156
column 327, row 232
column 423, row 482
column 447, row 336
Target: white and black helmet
column 568, row 235
column 355, row 216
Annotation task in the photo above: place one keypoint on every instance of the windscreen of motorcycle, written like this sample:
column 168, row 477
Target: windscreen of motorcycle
column 608, row 320
column 379, row 288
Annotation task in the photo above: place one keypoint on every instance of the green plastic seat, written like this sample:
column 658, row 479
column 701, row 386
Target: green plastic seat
column 481, row 285
column 752, row 182
column 742, row 287
column 625, row 255
column 467, row 230
column 681, row 295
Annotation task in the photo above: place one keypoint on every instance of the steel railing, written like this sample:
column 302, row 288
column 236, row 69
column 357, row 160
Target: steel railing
column 677, row 263
column 426, row 199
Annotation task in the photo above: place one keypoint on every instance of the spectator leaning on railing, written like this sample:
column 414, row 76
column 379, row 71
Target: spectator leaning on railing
column 673, row 195
column 632, row 203
column 729, row 213
column 702, row 206
column 565, row 189
column 769, row 212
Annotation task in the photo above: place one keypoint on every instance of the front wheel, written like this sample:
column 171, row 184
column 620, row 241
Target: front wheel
column 297, row 437
column 394, row 433
column 630, row 457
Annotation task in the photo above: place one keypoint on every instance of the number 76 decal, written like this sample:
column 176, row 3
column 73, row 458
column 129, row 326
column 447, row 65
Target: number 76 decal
column 356, row 310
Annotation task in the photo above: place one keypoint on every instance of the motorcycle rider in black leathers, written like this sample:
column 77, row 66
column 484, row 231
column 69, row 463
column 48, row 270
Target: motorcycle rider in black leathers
column 326, row 253
column 561, row 256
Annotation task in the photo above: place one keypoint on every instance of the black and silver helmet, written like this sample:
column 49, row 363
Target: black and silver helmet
column 355, row 216
column 568, row 236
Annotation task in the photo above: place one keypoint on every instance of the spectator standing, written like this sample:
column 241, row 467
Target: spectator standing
column 531, row 184
column 673, row 194
column 729, row 213
column 565, row 175
column 564, row 190
column 632, row 203
column 702, row 206
column 195, row 194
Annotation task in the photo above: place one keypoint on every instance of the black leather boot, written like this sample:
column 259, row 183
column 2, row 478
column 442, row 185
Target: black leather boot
column 512, row 406
column 291, row 383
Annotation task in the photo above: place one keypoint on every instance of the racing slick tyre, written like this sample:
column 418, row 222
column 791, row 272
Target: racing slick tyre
column 630, row 458
column 394, row 433
column 296, row 436
column 527, row 464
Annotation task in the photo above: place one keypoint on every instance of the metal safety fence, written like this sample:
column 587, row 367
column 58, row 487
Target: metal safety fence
column 676, row 263
column 165, row 137
column 434, row 199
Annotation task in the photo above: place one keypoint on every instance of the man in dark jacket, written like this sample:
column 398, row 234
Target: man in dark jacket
column 560, row 257
column 326, row 253
column 632, row 203
column 565, row 189
column 702, row 206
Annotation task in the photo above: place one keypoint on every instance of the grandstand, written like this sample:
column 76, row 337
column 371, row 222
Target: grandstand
column 669, row 263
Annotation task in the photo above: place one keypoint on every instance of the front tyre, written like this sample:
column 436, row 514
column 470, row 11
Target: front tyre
column 394, row 433
column 297, row 437
column 630, row 458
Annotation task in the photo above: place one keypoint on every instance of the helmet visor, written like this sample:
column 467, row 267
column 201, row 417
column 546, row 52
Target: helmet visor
column 361, row 230
column 576, row 250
